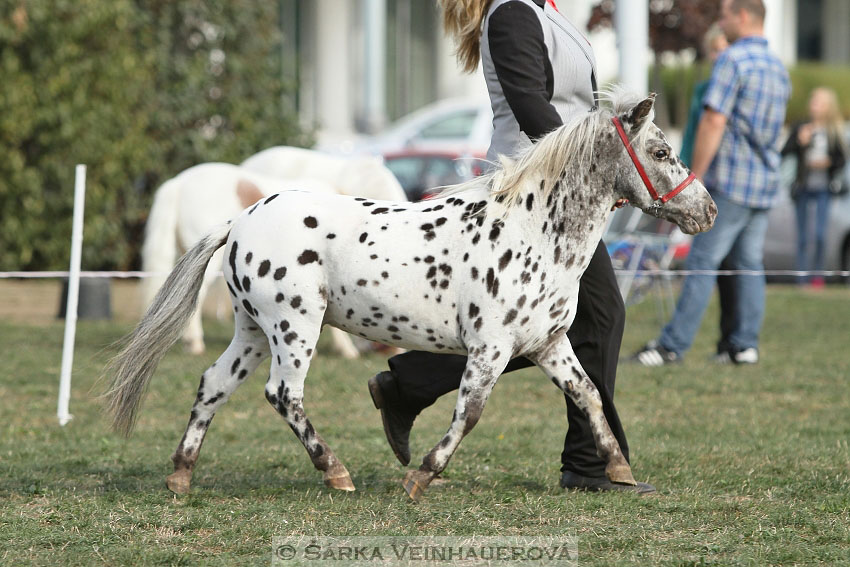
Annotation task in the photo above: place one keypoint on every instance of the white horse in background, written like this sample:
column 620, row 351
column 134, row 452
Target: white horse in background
column 360, row 176
column 187, row 206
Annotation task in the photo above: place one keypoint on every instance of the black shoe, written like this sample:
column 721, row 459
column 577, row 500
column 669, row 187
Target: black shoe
column 737, row 356
column 575, row 481
column 653, row 354
column 397, row 423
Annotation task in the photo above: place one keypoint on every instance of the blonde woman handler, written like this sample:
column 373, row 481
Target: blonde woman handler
column 540, row 73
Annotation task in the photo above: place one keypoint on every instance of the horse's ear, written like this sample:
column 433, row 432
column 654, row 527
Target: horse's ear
column 639, row 113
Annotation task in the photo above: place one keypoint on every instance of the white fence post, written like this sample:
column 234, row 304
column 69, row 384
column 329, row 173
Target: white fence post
column 73, row 295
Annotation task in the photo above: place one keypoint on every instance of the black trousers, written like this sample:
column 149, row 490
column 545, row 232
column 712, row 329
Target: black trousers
column 595, row 336
column 728, row 309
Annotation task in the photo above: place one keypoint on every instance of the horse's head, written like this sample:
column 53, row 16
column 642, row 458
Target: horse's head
column 651, row 175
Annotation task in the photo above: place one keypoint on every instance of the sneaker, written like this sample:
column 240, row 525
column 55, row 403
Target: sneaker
column 653, row 354
column 397, row 423
column 735, row 356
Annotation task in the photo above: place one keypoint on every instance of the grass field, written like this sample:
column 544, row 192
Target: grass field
column 752, row 463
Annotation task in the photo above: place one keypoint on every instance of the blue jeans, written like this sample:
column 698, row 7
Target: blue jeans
column 821, row 201
column 738, row 233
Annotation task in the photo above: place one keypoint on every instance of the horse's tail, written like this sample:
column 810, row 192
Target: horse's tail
column 132, row 369
column 159, row 251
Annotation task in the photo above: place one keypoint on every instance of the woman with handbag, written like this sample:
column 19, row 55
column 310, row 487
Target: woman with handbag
column 821, row 152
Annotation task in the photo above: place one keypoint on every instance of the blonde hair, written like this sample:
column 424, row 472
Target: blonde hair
column 462, row 21
column 713, row 33
column 834, row 121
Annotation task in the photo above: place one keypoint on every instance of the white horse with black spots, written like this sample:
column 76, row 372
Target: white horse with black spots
column 491, row 271
column 191, row 203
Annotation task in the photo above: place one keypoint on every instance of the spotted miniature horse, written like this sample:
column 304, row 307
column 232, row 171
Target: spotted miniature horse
column 491, row 270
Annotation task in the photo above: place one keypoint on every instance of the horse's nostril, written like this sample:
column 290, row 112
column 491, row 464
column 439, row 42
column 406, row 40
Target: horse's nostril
column 712, row 209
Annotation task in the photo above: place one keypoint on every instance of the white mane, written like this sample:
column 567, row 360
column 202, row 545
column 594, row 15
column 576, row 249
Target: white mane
column 571, row 143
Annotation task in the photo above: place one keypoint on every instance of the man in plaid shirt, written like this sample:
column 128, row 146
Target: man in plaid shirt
column 736, row 156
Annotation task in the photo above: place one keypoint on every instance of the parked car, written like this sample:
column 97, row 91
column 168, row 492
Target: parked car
column 421, row 174
column 460, row 126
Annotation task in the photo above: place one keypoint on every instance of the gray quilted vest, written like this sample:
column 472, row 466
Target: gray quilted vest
column 573, row 70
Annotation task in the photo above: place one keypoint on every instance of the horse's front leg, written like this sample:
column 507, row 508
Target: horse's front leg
column 559, row 362
column 483, row 367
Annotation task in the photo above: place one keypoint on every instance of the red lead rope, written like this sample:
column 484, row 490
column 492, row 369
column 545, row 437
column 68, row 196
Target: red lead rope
column 652, row 192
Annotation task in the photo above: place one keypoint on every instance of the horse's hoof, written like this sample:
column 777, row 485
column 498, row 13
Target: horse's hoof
column 415, row 483
column 179, row 482
column 620, row 473
column 340, row 483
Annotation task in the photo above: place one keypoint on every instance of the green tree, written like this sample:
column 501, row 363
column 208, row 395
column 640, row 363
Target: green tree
column 138, row 91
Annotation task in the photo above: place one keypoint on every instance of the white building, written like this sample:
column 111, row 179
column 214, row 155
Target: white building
column 360, row 64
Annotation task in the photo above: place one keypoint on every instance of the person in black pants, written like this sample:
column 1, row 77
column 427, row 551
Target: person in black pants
column 524, row 45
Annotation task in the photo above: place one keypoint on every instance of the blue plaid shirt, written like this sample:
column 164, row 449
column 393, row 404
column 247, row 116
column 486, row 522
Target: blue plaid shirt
column 750, row 87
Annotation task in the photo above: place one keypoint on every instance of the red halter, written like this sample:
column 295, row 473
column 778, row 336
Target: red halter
column 652, row 192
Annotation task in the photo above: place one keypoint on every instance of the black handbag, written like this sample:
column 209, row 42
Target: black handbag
column 840, row 183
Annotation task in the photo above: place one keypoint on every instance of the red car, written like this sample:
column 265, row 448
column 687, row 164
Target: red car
column 422, row 173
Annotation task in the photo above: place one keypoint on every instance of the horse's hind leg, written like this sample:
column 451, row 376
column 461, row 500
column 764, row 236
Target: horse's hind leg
column 291, row 353
column 343, row 344
column 483, row 367
column 193, row 335
column 560, row 364
column 247, row 350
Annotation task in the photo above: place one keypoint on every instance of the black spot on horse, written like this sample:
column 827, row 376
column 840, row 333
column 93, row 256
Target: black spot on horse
column 235, row 366
column 248, row 307
column 296, row 302
column 473, row 310
column 380, row 211
column 289, row 337
column 361, row 282
column 264, row 268
column 270, row 199
column 279, row 273
column 495, row 230
column 474, row 273
column 248, row 257
column 529, row 200
column 432, row 271
column 284, row 325
column 279, row 298
column 311, row 222
column 428, row 259
column 232, row 260
column 246, row 284
column 331, row 236
column 364, row 236
column 308, row 257
column 505, row 259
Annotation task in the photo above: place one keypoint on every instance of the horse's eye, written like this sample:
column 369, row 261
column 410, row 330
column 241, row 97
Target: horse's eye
column 661, row 154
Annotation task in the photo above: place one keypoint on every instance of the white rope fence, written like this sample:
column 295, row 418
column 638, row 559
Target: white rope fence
column 139, row 274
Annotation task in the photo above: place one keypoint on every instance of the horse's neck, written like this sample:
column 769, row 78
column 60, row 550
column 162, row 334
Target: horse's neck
column 575, row 211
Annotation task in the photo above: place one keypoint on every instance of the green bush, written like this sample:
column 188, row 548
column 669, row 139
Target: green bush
column 138, row 91
column 677, row 86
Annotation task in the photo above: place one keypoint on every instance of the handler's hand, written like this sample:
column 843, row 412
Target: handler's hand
column 620, row 203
